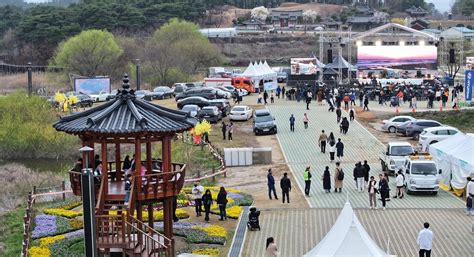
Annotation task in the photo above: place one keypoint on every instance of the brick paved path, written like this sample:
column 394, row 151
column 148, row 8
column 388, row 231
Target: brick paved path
column 299, row 230
column 301, row 149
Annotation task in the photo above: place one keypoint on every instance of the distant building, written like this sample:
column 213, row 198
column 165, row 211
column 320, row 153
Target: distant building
column 331, row 24
column 252, row 25
column 458, row 32
column 416, row 12
column 433, row 32
column 219, row 32
column 286, row 19
column 362, row 23
column 420, row 24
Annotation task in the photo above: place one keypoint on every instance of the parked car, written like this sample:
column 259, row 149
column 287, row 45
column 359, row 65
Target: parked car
column 179, row 88
column 194, row 84
column 208, row 93
column 211, row 114
column 159, row 93
column 112, row 95
column 240, row 112
column 140, row 94
column 421, row 174
column 391, row 124
column 99, row 97
column 414, row 128
column 281, row 77
column 197, row 100
column 84, row 101
column 264, row 122
column 192, row 109
column 222, row 104
column 434, row 135
column 223, row 93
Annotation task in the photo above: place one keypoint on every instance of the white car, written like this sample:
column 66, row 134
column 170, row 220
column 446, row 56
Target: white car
column 435, row 134
column 192, row 109
column 99, row 97
column 240, row 112
column 391, row 124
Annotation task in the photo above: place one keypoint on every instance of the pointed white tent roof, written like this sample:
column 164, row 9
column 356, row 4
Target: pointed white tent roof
column 251, row 72
column 347, row 238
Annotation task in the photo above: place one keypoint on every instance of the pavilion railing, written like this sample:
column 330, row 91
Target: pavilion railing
column 152, row 242
column 165, row 184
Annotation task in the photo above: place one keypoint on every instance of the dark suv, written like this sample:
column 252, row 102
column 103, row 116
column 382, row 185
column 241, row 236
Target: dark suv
column 222, row 104
column 263, row 122
column 208, row 93
column 414, row 128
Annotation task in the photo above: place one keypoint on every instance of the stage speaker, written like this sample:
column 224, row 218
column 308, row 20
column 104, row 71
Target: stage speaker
column 329, row 57
column 419, row 74
column 452, row 56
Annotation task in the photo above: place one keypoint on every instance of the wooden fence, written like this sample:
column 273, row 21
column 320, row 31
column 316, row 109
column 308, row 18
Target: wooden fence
column 27, row 224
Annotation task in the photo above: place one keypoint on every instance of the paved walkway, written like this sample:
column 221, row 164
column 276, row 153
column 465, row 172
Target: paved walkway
column 299, row 230
column 301, row 149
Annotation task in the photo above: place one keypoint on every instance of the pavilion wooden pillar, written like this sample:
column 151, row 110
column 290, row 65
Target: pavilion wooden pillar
column 118, row 161
column 168, row 201
column 105, row 166
column 149, row 168
column 150, row 215
column 138, row 164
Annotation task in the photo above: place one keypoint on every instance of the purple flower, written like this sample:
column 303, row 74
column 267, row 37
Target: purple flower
column 44, row 225
column 235, row 195
column 182, row 225
column 74, row 234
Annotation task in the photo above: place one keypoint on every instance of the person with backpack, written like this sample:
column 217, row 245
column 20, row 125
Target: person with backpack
column 307, row 180
column 338, row 178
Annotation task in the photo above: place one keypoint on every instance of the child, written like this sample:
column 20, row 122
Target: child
column 351, row 114
column 128, row 187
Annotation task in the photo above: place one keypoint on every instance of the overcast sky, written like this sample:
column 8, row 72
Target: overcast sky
column 441, row 5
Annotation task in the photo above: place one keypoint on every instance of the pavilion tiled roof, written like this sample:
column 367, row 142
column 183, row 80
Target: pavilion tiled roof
column 126, row 114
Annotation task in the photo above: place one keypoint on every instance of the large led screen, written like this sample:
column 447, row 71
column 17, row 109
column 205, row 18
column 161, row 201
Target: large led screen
column 303, row 66
column 92, row 85
column 397, row 56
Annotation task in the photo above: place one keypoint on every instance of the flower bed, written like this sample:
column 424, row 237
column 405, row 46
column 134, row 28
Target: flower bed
column 206, row 251
column 62, row 212
column 157, row 215
column 51, row 225
column 57, row 245
column 197, row 232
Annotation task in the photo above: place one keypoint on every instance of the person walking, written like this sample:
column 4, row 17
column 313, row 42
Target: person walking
column 338, row 178
column 326, row 180
column 332, row 151
column 272, row 97
column 351, row 114
column 197, row 192
column 331, row 138
column 285, row 185
column 384, row 190
column 259, row 98
column 271, row 249
column 224, row 130
column 309, row 96
column 271, row 185
column 265, row 97
column 283, row 90
column 230, row 131
column 222, row 202
column 400, row 182
column 339, row 149
column 346, row 102
column 207, row 202
column 470, row 196
column 361, row 98
column 278, row 91
column 425, row 241
column 359, row 176
column 307, row 180
column 338, row 114
column 366, row 104
column 292, row 123
column 322, row 141
column 372, row 189
column 305, row 121
column 366, row 172
column 344, row 125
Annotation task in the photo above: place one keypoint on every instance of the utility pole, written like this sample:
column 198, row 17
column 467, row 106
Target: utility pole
column 30, row 80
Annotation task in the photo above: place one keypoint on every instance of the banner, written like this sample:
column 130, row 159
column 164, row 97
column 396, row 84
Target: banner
column 469, row 63
column 468, row 83
column 92, row 85
column 303, row 66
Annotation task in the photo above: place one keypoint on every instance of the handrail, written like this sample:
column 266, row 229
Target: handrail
column 153, row 231
column 132, row 198
column 99, row 208
column 146, row 235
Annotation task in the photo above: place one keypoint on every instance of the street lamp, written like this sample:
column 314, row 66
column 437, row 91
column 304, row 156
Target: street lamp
column 88, row 201
column 30, row 80
column 138, row 73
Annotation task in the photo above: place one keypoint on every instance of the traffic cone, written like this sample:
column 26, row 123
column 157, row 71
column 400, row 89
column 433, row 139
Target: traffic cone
column 397, row 111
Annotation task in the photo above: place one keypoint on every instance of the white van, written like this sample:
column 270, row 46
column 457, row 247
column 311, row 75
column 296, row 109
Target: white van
column 421, row 174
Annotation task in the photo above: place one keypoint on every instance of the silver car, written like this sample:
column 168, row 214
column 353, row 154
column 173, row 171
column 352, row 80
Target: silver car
column 390, row 125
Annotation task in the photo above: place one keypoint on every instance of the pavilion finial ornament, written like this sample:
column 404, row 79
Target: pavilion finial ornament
column 126, row 82
column 126, row 92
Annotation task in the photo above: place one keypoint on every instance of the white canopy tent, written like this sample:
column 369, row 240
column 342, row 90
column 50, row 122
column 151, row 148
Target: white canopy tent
column 455, row 156
column 347, row 238
column 261, row 74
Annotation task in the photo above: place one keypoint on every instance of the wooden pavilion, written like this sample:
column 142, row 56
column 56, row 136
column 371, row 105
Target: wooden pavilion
column 129, row 120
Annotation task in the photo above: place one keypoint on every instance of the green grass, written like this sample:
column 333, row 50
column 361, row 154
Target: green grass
column 11, row 227
column 463, row 120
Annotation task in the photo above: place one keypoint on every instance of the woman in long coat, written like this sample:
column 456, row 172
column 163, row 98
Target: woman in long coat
column 337, row 182
column 339, row 149
column 327, row 180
